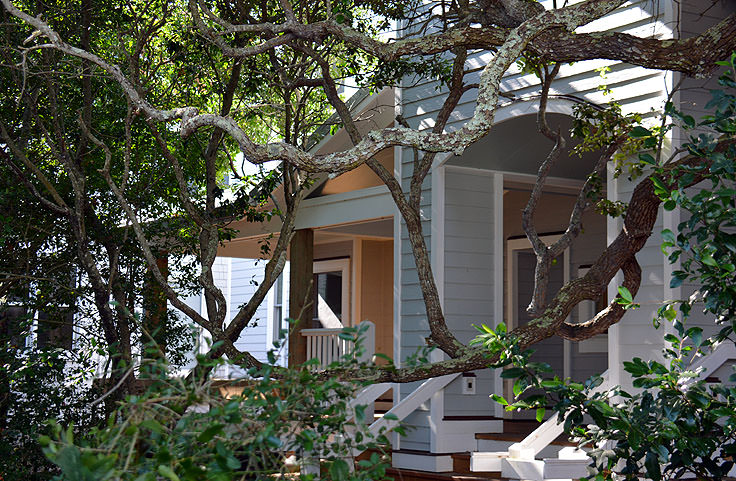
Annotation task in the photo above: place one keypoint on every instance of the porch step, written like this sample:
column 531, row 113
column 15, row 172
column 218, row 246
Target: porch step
column 382, row 405
column 461, row 467
column 412, row 475
column 507, row 437
column 494, row 442
column 520, row 426
column 461, row 464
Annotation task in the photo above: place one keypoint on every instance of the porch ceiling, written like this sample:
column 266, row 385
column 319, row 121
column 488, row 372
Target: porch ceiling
column 250, row 247
column 516, row 146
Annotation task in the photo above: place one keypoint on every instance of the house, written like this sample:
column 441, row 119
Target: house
column 353, row 243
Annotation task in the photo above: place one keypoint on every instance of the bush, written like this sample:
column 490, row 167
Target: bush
column 185, row 429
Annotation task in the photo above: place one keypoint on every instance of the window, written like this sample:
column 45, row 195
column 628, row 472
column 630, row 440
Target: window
column 12, row 319
column 278, row 307
column 332, row 293
column 55, row 328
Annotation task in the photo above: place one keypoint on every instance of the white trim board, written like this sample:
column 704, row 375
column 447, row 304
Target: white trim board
column 437, row 243
column 573, row 185
column 513, row 245
column 498, row 257
column 421, row 461
column 345, row 208
column 398, row 108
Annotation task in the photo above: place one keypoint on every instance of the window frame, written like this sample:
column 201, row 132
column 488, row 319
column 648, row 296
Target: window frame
column 342, row 265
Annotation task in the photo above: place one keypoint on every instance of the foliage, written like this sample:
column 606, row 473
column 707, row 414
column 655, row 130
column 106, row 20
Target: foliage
column 674, row 422
column 201, row 429
column 38, row 385
column 705, row 243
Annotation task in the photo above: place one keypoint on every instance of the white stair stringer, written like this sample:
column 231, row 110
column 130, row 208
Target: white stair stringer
column 404, row 407
column 411, row 402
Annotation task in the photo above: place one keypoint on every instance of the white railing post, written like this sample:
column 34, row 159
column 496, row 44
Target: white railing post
column 369, row 341
column 326, row 346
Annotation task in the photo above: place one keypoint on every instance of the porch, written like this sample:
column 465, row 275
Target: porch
column 339, row 271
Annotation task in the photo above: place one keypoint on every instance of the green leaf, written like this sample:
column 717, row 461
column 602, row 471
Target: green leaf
column 625, row 294
column 540, row 414
column 152, row 425
column 512, row 373
column 696, row 334
column 639, row 131
column 209, row 433
column 360, row 413
column 167, row 473
column 709, row 261
column 339, row 470
column 518, row 388
column 69, row 460
column 669, row 236
column 273, row 441
column 651, row 463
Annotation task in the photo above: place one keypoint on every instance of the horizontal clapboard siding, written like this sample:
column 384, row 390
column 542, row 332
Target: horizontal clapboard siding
column 695, row 94
column 247, row 275
column 468, row 276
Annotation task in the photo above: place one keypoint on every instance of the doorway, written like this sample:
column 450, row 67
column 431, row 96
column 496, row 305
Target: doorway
column 521, row 262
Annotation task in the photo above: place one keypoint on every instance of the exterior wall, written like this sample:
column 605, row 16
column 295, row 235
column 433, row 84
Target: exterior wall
column 238, row 279
column 638, row 89
column 468, row 276
column 247, row 274
column 376, row 291
column 634, row 335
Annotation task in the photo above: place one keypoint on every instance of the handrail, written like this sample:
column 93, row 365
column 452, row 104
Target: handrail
column 708, row 364
column 550, row 430
column 712, row 361
column 411, row 402
column 370, row 393
column 321, row 331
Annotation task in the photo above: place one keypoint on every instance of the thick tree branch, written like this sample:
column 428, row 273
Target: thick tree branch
column 694, row 56
column 544, row 257
column 608, row 316
column 191, row 120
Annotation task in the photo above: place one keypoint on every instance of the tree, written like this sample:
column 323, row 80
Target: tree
column 297, row 54
column 676, row 421
column 248, row 435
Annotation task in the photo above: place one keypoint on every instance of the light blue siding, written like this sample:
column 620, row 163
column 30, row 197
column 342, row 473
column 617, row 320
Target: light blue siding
column 468, row 276
column 247, row 275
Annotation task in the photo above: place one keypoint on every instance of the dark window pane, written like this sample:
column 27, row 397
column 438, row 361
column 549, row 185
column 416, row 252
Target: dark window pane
column 328, row 290
column 55, row 328
column 12, row 323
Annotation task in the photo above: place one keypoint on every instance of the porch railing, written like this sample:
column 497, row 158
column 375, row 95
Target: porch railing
column 327, row 346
